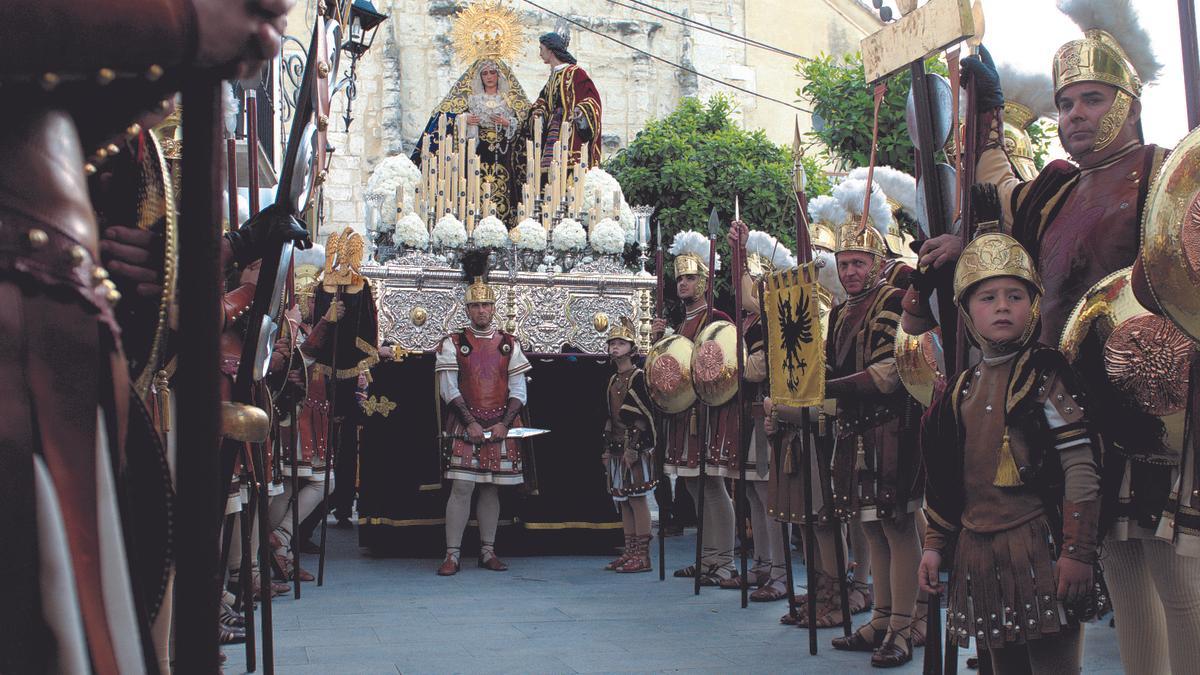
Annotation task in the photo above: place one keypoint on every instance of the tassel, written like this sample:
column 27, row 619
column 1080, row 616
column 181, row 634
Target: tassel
column 1006, row 471
column 860, row 460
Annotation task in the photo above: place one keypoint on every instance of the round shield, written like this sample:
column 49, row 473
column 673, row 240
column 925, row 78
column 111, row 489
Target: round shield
column 1171, row 236
column 669, row 373
column 946, row 178
column 1146, row 357
column 918, row 360
column 941, row 102
column 714, row 363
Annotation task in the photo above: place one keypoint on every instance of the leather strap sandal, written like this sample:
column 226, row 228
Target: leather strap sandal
column 625, row 555
column 890, row 654
column 685, row 572
column 858, row 642
column 451, row 565
column 768, row 592
column 488, row 559
column 731, row 583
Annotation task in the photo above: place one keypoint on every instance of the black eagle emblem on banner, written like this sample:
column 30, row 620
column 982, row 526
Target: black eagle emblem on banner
column 796, row 328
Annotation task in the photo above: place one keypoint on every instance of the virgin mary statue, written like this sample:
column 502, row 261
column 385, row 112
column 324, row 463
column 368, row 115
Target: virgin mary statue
column 488, row 99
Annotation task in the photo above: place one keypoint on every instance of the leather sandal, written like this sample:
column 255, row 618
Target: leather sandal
column 857, row 642
column 892, row 655
column 685, row 572
column 624, row 557
column 493, row 563
column 732, row 583
column 639, row 559
column 768, row 593
column 450, row 566
column 230, row 636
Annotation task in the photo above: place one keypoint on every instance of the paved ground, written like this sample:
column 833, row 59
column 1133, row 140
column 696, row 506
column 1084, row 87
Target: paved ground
column 548, row 614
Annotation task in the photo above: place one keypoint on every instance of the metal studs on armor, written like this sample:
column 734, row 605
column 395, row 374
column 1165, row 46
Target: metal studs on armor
column 1071, row 548
column 154, row 72
column 89, row 169
column 38, row 238
column 78, row 255
column 99, row 274
column 49, row 81
column 105, row 76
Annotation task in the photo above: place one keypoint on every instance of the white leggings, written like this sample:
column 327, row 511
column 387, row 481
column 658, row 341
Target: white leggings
column 1156, row 597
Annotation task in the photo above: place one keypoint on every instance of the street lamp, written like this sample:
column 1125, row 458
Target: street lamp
column 364, row 20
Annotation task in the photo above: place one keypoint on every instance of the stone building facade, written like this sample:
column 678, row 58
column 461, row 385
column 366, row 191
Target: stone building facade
column 412, row 64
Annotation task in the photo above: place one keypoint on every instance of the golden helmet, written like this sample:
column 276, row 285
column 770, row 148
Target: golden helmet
column 1096, row 57
column 852, row 195
column 823, row 237
column 852, row 237
column 307, row 266
column 475, row 269
column 993, row 255
column 1017, row 143
column 825, row 215
column 691, row 250
column 623, row 330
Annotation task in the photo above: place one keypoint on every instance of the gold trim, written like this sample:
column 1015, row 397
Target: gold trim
column 571, row 525
column 430, row 487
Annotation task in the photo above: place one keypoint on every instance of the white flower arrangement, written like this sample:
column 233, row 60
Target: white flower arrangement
column 491, row 233
column 569, row 235
column 628, row 223
column 411, row 232
column 449, row 231
column 388, row 176
column 530, row 235
column 608, row 237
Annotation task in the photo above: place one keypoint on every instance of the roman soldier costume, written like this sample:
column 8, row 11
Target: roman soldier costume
column 630, row 441
column 481, row 379
column 876, row 475
column 1013, row 486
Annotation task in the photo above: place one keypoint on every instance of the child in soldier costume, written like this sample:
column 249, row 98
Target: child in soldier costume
column 1013, row 485
column 876, row 477
column 629, row 444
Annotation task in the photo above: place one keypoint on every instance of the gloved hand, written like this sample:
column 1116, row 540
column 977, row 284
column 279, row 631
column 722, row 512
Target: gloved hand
column 982, row 71
column 270, row 228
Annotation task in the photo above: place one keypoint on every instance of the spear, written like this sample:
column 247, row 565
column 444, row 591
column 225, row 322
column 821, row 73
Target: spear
column 739, row 268
column 714, row 223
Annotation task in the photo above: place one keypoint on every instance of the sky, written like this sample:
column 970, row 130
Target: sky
column 1026, row 33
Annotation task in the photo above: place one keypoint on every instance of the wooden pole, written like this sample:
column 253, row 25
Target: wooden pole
column 1191, row 60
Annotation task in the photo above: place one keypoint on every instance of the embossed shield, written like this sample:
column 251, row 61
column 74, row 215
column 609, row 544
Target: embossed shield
column 714, row 363
column 1146, row 357
column 919, row 359
column 1171, row 235
column 669, row 373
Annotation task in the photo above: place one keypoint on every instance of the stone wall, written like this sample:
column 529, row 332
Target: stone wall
column 411, row 66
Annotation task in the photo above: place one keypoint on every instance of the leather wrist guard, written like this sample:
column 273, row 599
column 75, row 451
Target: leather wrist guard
column 989, row 129
column 510, row 413
column 464, row 413
column 1080, row 525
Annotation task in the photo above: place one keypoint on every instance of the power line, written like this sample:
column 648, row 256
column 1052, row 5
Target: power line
column 688, row 22
column 668, row 62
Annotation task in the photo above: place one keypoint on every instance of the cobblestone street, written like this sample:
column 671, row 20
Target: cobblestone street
column 548, row 615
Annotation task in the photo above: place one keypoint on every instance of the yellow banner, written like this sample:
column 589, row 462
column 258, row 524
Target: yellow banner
column 795, row 339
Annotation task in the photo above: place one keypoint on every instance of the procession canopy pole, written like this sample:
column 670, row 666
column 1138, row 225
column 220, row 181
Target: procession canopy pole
column 198, row 490
column 799, row 182
column 1191, row 60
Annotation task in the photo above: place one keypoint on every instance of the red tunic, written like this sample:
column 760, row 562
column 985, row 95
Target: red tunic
column 483, row 371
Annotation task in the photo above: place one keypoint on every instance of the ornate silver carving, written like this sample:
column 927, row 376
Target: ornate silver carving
column 550, row 309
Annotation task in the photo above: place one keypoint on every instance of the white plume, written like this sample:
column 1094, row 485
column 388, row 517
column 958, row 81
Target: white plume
column 1119, row 19
column 827, row 275
column 314, row 256
column 826, row 209
column 851, row 194
column 896, row 185
column 769, row 247
column 691, row 241
column 1032, row 90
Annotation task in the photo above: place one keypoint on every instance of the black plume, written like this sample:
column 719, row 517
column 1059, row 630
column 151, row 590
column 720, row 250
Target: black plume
column 475, row 264
column 985, row 204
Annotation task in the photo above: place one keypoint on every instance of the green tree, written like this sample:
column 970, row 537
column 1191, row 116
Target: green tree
column 698, row 158
column 837, row 91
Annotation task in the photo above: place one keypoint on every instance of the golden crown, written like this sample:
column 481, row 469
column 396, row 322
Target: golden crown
column 993, row 255
column 487, row 29
column 1096, row 57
